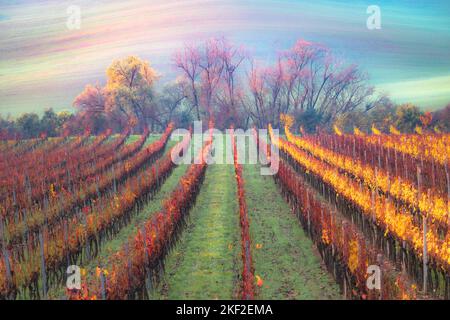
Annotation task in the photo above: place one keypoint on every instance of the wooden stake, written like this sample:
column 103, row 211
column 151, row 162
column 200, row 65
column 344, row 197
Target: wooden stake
column 425, row 256
column 448, row 188
column 425, row 251
column 102, row 284
column 43, row 271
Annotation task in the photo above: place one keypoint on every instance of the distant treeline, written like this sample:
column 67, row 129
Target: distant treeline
column 404, row 118
column 220, row 80
column 54, row 124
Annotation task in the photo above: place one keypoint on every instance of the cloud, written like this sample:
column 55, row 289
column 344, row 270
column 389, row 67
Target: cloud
column 431, row 92
column 38, row 52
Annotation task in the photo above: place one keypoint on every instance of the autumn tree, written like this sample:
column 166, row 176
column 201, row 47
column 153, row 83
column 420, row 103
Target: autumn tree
column 92, row 99
column 91, row 103
column 129, row 89
column 426, row 119
column 441, row 119
column 407, row 117
column 64, row 119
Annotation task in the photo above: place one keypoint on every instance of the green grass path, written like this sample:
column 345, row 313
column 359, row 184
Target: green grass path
column 287, row 262
column 205, row 263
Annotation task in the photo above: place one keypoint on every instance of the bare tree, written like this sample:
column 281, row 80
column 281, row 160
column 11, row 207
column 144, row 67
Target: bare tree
column 188, row 61
column 266, row 87
column 256, row 106
column 170, row 100
column 228, row 95
column 212, row 66
column 307, row 78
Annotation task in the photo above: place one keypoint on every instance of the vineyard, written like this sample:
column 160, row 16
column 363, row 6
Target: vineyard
column 345, row 216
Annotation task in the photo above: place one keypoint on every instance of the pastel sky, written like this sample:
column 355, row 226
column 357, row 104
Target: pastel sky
column 44, row 64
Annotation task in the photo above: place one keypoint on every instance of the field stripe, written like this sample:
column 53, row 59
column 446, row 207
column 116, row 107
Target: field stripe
column 119, row 239
column 283, row 256
column 205, row 264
